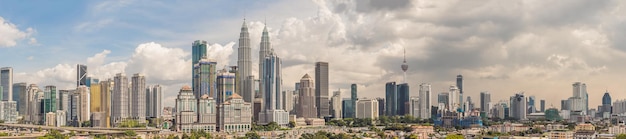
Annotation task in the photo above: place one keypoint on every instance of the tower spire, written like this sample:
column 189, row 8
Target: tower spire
column 404, row 66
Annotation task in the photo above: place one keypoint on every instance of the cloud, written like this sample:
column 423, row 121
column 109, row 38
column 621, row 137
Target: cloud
column 11, row 34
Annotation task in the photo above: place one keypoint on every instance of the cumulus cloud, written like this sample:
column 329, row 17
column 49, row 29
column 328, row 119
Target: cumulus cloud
column 11, row 34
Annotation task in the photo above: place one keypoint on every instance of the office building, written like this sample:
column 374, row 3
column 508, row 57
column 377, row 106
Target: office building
column 264, row 51
column 61, row 117
column 244, row 65
column 96, row 100
column 306, row 107
column 186, row 110
column 32, row 106
column 443, row 97
column 485, row 99
column 346, row 104
column 531, row 105
column 367, row 108
column 353, row 98
column 381, row 106
column 50, row 99
column 207, row 114
column 205, row 74
column 6, row 81
column 403, row 99
column 459, row 85
column 453, row 101
column 198, row 50
column 225, row 86
column 414, row 109
column 81, row 75
column 20, row 90
column 335, row 105
column 84, row 113
column 119, row 98
column 236, row 115
column 391, row 97
column 138, row 97
column 288, row 100
column 542, row 105
column 424, row 98
column 518, row 107
column 8, row 111
column 105, row 100
column 605, row 109
column 273, row 110
column 321, row 89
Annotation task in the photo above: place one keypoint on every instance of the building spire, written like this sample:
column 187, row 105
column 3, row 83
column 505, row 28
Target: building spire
column 404, row 66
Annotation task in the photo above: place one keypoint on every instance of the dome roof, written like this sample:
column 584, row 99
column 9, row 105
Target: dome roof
column 235, row 96
column 205, row 96
column 186, row 87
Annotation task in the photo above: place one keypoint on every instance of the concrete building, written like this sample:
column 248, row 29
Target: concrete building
column 207, row 114
column 485, row 99
column 186, row 111
column 415, row 106
column 98, row 119
column 61, row 118
column 8, row 111
column 50, row 119
column 542, row 105
column 153, row 101
column 106, row 88
column 367, row 108
column 459, row 85
column 335, row 105
column 306, row 107
column 96, row 100
column 443, row 98
column 288, row 100
column 425, row 104
column 119, row 99
column 236, row 115
column 205, row 74
column 321, row 89
column 6, row 81
column 84, row 113
column 518, row 106
column 21, row 91
column 137, row 98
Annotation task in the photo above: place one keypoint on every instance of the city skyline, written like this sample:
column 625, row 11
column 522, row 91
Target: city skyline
column 528, row 64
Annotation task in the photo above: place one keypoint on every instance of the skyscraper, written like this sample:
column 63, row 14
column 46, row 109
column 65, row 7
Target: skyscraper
column 353, row 97
column 6, row 81
column 225, row 86
column 119, row 98
column 403, row 96
column 244, row 65
column 531, row 105
column 154, row 107
column 459, row 85
column 273, row 110
column 485, row 99
column 138, row 97
column 321, row 89
column 424, row 101
column 404, row 67
column 391, row 97
column 205, row 73
column 518, row 106
column 186, row 109
column 96, row 100
column 453, row 101
column 579, row 100
column 105, row 100
column 81, row 75
column 367, row 108
column 264, row 51
column 606, row 107
column 199, row 50
column 542, row 105
column 50, row 99
column 443, row 97
column 20, row 90
column 335, row 105
column 83, row 105
column 381, row 106
column 307, row 108
column 236, row 115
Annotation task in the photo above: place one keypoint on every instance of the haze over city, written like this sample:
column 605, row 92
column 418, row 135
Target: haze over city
column 504, row 47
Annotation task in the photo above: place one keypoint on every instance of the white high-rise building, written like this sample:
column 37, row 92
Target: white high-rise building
column 453, row 100
column 367, row 108
column 119, row 98
column 138, row 97
column 579, row 100
column 518, row 107
column 153, row 101
column 288, row 100
column 335, row 105
column 236, row 115
column 414, row 107
column 424, row 98
column 84, row 107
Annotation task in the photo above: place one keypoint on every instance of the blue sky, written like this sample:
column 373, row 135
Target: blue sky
column 503, row 47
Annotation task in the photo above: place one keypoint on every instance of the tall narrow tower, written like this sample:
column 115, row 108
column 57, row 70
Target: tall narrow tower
column 404, row 66
column 244, row 65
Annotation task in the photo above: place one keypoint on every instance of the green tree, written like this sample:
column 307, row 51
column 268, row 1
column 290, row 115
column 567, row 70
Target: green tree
column 455, row 136
column 252, row 135
column 86, row 124
column 621, row 136
column 130, row 133
column 292, row 124
column 54, row 134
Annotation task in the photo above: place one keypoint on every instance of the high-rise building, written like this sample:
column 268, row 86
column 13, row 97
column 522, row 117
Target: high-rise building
column 518, row 107
column 353, row 97
column 404, row 67
column 105, row 100
column 391, row 97
column 96, row 100
column 288, row 102
column 119, row 98
column 443, row 97
column 346, row 104
column 244, row 65
column 579, row 100
column 273, row 110
column 531, row 105
column 485, row 99
column 225, row 86
column 454, row 103
column 321, row 89
column 367, row 108
column 31, row 105
column 402, row 101
column 20, row 91
column 542, row 106
column 6, row 81
column 459, row 85
column 153, row 101
column 306, row 107
column 264, row 52
column 424, row 98
column 50, row 99
column 199, row 50
column 137, row 98
column 186, row 110
column 606, row 108
column 381, row 106
column 414, row 109
column 81, row 75
column 205, row 74
column 207, row 114
column 84, row 100
column 236, row 115
column 335, row 105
